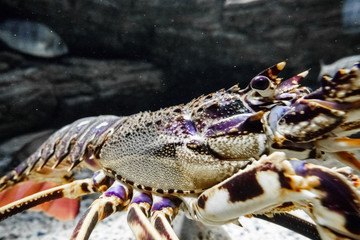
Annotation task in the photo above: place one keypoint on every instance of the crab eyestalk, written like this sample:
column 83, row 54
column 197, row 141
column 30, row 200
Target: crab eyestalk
column 267, row 85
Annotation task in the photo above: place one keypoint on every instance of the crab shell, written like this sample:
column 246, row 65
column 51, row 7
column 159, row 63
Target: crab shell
column 215, row 139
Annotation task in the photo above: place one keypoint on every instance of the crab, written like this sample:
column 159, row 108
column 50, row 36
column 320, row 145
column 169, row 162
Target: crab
column 235, row 152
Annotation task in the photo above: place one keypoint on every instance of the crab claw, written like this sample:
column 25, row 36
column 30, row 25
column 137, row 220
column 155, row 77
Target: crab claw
column 322, row 119
column 332, row 109
column 338, row 211
column 306, row 121
column 328, row 196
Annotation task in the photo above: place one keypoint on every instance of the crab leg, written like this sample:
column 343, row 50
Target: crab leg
column 164, row 211
column 116, row 198
column 331, row 199
column 71, row 190
column 293, row 223
column 137, row 218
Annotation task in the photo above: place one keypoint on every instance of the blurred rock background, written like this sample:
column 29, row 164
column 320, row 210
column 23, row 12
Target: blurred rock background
column 129, row 56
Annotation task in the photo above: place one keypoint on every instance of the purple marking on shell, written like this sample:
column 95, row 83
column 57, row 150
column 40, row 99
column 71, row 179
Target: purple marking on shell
column 190, row 126
column 75, row 130
column 100, row 137
column 48, row 149
column 118, row 191
column 96, row 174
column 289, row 84
column 294, row 116
column 90, row 160
column 286, row 96
column 112, row 122
column 49, row 145
column 302, row 111
column 224, row 109
column 180, row 126
column 254, row 104
column 98, row 128
column 339, row 81
column 252, row 124
column 34, row 158
column 275, row 115
column 317, row 94
column 305, row 112
column 299, row 167
column 226, row 125
column 339, row 196
column 163, row 203
column 21, row 168
column 333, row 105
column 200, row 124
column 142, row 198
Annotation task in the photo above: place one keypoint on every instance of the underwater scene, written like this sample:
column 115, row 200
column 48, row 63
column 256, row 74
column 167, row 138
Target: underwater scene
column 192, row 119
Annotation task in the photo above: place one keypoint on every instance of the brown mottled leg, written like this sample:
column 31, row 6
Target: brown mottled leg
column 164, row 211
column 71, row 190
column 138, row 214
column 115, row 199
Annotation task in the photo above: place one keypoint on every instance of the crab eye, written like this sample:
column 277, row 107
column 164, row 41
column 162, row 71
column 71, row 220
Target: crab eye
column 260, row 83
column 263, row 86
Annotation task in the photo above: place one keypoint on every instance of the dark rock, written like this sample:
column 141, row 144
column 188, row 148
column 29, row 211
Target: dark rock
column 9, row 61
column 198, row 35
column 50, row 95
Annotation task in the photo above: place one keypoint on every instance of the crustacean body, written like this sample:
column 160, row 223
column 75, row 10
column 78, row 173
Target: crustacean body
column 224, row 155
